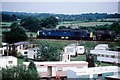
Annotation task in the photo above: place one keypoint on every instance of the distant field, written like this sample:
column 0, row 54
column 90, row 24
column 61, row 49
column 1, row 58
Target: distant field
column 33, row 33
column 110, row 19
column 76, row 24
column 5, row 23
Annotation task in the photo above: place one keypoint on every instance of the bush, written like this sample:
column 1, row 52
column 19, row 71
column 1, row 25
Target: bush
column 19, row 73
column 20, row 55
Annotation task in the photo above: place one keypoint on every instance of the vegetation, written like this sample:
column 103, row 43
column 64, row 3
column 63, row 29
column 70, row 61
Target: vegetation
column 49, row 51
column 49, row 22
column 19, row 73
column 30, row 23
column 8, row 18
column 81, row 17
column 32, row 66
column 34, row 24
column 16, row 34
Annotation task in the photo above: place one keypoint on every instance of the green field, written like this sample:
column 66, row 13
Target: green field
column 109, row 19
column 5, row 23
column 33, row 33
column 98, row 22
column 76, row 24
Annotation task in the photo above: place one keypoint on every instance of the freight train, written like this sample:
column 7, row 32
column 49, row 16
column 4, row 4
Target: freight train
column 81, row 34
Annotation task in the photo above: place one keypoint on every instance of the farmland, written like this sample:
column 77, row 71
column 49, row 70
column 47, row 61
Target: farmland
column 98, row 22
column 76, row 24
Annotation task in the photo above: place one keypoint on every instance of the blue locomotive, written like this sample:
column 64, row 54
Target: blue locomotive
column 64, row 34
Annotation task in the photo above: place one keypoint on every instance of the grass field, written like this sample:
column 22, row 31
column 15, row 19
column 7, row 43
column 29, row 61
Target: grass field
column 33, row 33
column 6, row 23
column 76, row 24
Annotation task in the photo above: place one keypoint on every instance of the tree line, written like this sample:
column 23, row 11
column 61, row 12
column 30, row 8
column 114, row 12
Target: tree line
column 62, row 17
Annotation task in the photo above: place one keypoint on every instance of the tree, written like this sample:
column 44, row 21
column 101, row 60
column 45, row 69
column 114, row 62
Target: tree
column 16, row 34
column 32, row 66
column 49, row 22
column 49, row 51
column 19, row 73
column 116, row 27
column 8, row 17
column 31, row 24
column 90, row 59
column 63, row 27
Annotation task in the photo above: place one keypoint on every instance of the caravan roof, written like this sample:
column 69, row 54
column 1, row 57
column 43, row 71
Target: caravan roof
column 102, row 47
column 96, row 70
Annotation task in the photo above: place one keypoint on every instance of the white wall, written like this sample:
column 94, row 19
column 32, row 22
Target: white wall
column 8, row 61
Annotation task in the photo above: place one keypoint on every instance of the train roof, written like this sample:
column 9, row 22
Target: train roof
column 66, row 30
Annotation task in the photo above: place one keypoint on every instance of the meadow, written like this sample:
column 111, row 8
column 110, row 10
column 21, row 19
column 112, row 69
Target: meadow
column 76, row 24
column 98, row 22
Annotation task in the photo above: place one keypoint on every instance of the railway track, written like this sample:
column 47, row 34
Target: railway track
column 60, row 40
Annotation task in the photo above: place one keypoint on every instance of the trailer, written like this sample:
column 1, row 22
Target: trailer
column 51, row 69
column 102, row 47
column 96, row 73
column 105, row 55
column 7, row 61
column 74, row 49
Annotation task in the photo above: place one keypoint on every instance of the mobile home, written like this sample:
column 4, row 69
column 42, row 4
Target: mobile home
column 8, row 61
column 106, row 56
column 103, row 54
column 52, row 69
column 93, row 72
column 74, row 49
column 102, row 47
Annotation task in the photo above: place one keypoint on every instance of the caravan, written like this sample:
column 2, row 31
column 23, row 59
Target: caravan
column 74, row 49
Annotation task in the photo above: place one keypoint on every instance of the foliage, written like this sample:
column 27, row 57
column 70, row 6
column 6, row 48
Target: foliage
column 65, row 17
column 16, row 34
column 64, row 27
column 31, row 23
column 19, row 73
column 49, row 22
column 116, row 27
column 49, row 51
column 90, row 60
column 19, row 55
column 32, row 66
column 8, row 18
column 34, row 24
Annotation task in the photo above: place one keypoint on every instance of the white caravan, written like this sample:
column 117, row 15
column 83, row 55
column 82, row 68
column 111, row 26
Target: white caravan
column 74, row 49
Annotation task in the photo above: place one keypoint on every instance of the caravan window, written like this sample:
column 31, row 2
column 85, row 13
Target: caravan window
column 112, row 56
column 10, row 62
column 102, row 55
column 25, row 52
column 106, row 55
column 81, row 48
column 98, row 54
column 59, row 69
